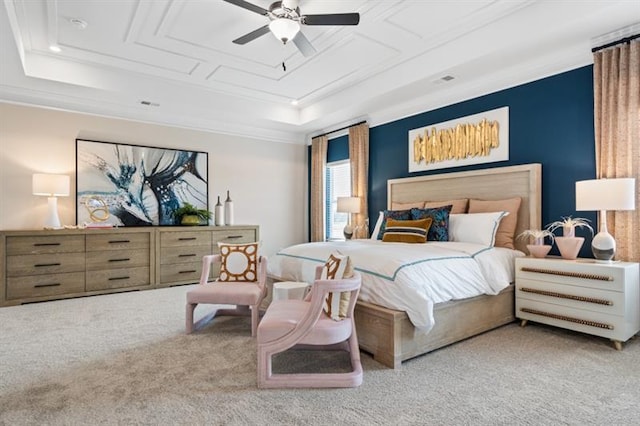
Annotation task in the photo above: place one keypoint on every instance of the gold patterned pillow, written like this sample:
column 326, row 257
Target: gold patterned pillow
column 337, row 267
column 239, row 262
column 407, row 231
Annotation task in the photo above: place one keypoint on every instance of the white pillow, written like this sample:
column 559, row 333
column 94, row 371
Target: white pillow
column 376, row 229
column 478, row 228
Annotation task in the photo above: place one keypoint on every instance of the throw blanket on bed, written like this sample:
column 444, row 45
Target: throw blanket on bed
column 407, row 277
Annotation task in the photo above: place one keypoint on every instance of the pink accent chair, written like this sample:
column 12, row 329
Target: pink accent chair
column 303, row 324
column 247, row 296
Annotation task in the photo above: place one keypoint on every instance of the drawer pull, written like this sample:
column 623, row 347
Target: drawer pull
column 568, row 274
column 569, row 319
column 187, row 255
column 46, row 285
column 187, row 238
column 568, row 296
column 233, row 237
column 45, row 244
column 118, row 278
column 126, row 259
column 40, row 265
column 119, row 241
column 187, row 272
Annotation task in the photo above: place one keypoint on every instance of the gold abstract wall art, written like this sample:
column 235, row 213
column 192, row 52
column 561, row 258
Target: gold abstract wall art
column 474, row 139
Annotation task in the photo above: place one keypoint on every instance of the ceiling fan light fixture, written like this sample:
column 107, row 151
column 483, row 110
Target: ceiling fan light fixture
column 284, row 29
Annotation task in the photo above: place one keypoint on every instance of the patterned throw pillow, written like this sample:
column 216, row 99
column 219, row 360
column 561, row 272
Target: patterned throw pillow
column 239, row 262
column 393, row 214
column 406, row 231
column 337, row 267
column 439, row 230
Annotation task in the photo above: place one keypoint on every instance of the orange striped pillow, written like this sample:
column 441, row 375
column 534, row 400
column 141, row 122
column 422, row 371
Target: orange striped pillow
column 406, row 231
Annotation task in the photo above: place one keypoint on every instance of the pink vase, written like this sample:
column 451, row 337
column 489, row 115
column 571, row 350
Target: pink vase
column 569, row 246
column 538, row 250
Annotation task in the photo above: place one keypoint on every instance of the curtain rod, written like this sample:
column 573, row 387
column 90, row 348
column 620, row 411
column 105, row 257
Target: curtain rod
column 613, row 43
column 341, row 128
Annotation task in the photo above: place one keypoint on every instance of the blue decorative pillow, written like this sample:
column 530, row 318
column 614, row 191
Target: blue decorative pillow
column 439, row 230
column 393, row 214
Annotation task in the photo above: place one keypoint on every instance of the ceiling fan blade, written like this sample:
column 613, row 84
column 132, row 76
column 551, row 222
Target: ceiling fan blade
column 249, row 6
column 303, row 45
column 331, row 19
column 252, row 35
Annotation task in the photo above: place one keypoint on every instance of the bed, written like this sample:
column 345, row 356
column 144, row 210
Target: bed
column 390, row 334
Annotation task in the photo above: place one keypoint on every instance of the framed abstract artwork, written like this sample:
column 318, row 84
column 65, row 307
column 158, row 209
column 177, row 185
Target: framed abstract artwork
column 132, row 185
column 474, row 139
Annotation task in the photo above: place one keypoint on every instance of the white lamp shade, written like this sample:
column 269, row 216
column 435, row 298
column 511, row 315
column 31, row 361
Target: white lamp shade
column 50, row 185
column 605, row 194
column 284, row 29
column 348, row 205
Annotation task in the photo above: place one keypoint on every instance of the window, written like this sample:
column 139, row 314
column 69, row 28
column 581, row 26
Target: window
column 338, row 185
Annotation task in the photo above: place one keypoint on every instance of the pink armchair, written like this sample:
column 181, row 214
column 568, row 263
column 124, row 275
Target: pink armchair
column 303, row 323
column 247, row 296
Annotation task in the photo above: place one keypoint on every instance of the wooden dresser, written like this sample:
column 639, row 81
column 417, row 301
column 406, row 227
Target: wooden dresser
column 46, row 265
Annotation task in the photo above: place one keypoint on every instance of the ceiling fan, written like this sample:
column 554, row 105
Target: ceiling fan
column 285, row 19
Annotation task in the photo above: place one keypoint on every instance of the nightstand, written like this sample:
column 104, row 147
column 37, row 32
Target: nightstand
column 601, row 299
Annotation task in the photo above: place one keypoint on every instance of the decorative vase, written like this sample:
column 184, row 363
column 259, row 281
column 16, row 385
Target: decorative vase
column 190, row 220
column 219, row 213
column 228, row 210
column 569, row 246
column 538, row 250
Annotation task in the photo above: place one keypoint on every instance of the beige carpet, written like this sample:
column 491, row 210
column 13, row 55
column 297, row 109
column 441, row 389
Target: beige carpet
column 124, row 359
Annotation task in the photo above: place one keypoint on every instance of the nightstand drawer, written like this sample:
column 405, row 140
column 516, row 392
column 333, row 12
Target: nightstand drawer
column 589, row 299
column 584, row 274
column 595, row 323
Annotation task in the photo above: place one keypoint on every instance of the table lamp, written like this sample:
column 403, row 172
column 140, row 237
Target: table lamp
column 603, row 195
column 52, row 186
column 348, row 205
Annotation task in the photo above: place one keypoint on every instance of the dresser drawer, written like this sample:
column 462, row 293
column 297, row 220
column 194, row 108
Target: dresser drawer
column 185, row 238
column 44, row 285
column 182, row 272
column 586, row 298
column 233, row 236
column 44, row 264
column 118, row 278
column 112, row 259
column 45, row 244
column 130, row 241
column 187, row 254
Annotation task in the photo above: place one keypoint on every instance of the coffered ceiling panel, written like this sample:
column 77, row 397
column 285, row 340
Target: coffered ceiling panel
column 173, row 61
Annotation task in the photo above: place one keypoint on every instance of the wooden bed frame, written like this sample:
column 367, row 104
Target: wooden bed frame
column 388, row 334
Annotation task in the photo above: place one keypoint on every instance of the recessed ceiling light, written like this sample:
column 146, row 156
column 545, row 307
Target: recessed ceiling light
column 55, row 48
column 78, row 23
column 294, row 102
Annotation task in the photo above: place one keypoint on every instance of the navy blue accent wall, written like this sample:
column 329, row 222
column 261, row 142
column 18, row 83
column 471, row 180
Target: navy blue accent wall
column 338, row 149
column 550, row 122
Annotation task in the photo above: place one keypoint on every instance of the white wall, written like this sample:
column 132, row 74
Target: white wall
column 267, row 180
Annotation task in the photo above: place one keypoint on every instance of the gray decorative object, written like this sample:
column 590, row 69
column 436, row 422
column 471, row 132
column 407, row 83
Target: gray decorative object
column 140, row 185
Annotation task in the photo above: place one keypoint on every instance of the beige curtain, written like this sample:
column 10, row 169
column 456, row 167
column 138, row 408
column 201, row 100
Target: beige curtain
column 359, row 159
column 318, row 190
column 617, row 131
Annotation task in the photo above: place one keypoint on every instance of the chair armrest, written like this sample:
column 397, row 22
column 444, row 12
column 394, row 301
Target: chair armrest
column 206, row 266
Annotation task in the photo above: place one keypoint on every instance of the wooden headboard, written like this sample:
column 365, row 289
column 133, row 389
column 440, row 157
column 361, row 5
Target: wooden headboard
column 498, row 183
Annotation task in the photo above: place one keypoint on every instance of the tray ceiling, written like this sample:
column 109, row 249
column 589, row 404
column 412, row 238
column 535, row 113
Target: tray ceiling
column 173, row 62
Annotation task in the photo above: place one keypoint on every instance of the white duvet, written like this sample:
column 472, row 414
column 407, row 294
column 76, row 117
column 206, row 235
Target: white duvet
column 407, row 277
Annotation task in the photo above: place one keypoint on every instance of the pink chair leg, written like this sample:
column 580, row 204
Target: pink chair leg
column 189, row 317
column 254, row 319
